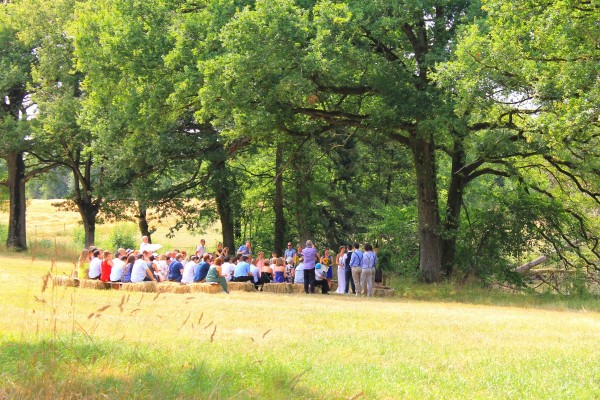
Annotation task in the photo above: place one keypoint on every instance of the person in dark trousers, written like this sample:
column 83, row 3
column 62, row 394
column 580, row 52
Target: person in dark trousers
column 348, row 271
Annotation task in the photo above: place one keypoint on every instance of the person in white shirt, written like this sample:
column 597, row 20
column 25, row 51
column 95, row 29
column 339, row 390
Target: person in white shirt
column 189, row 270
column 117, row 269
column 299, row 274
column 145, row 246
column 201, row 248
column 140, row 271
column 95, row 266
column 227, row 269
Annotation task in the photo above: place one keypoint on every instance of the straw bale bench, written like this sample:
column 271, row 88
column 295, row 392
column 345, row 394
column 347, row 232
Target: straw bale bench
column 206, row 287
column 68, row 281
column 241, row 286
column 146, row 287
column 93, row 284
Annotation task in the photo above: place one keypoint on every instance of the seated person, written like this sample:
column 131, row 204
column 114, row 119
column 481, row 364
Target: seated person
column 95, row 265
column 140, row 271
column 321, row 278
column 176, row 269
column 299, row 273
column 117, row 270
column 242, row 270
column 266, row 274
column 202, row 269
column 126, row 277
column 280, row 271
column 215, row 274
column 189, row 270
column 290, row 270
column 227, row 269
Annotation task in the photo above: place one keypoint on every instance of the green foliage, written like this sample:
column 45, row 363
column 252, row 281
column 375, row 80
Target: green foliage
column 122, row 235
column 3, row 233
column 78, row 235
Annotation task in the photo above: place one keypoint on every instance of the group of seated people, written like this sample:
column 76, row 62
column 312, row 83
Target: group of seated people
column 302, row 266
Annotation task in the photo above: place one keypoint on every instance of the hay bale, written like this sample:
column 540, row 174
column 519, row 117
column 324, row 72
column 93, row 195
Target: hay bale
column 173, row 287
column 297, row 287
column 146, row 287
column 65, row 281
column 93, row 284
column 241, row 286
column 205, row 288
column 383, row 291
column 279, row 288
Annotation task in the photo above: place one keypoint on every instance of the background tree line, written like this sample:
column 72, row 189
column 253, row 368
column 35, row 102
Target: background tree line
column 461, row 136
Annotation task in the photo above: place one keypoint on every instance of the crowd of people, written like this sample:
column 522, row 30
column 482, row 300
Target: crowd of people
column 307, row 266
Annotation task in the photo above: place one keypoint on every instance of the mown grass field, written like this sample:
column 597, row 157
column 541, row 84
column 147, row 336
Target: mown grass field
column 47, row 225
column 82, row 343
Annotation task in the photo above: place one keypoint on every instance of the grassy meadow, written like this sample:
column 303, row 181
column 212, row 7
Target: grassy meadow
column 58, row 342
column 427, row 342
column 48, row 227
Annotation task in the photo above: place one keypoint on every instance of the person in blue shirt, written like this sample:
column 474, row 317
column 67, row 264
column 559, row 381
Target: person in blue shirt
column 289, row 252
column 246, row 249
column 242, row 270
column 202, row 269
column 356, row 265
column 176, row 269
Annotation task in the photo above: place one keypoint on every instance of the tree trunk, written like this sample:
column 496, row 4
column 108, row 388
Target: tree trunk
column 17, row 233
column 280, row 228
column 453, row 204
column 88, row 212
column 430, row 263
column 143, row 222
column 221, row 185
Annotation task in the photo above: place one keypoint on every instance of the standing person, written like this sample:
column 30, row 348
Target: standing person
column 309, row 254
column 341, row 270
column 356, row 265
column 290, row 251
column 298, row 256
column 348, row 270
column 220, row 251
column 106, row 266
column 246, row 249
column 260, row 261
column 145, row 245
column 327, row 264
column 201, row 248
column 95, row 266
column 369, row 262
column 215, row 274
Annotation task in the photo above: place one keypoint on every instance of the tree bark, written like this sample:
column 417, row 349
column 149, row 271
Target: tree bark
column 280, row 228
column 222, row 187
column 143, row 222
column 453, row 205
column 430, row 263
column 17, row 233
column 89, row 212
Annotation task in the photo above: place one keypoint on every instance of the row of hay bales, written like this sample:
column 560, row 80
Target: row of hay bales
column 174, row 287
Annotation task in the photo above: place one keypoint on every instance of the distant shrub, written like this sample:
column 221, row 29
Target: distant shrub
column 122, row 235
column 79, row 236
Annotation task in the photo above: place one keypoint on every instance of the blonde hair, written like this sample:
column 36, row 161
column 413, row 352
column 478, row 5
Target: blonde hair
column 83, row 257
